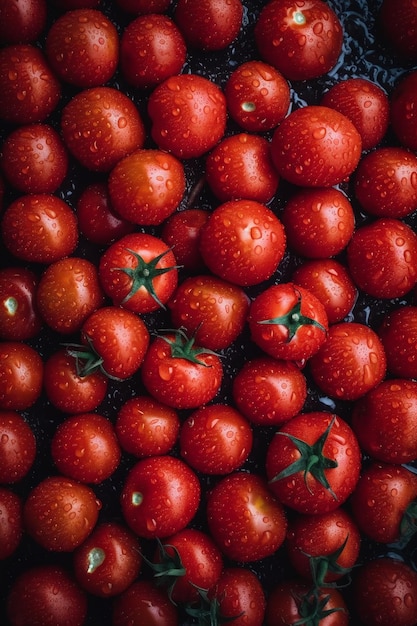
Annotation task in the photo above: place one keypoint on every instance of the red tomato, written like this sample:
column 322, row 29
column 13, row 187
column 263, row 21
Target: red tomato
column 108, row 561
column 39, row 228
column 85, row 447
column 382, row 258
column 29, row 90
column 181, row 232
column 288, row 322
column 152, row 48
column 366, row 105
column 240, row 597
column 385, row 593
column 179, row 372
column 350, row 363
column 34, row 159
column 257, row 96
column 82, row 47
column 240, row 166
column 145, row 427
column 19, row 315
column 100, row 126
column 316, row 146
column 160, row 496
column 188, row 115
column 403, row 111
column 244, row 517
column 68, row 292
column 22, row 21
column 211, row 308
column 209, row 24
column 60, row 513
column 11, row 524
column 144, row 603
column 318, row 222
column 398, row 333
column 147, row 186
column 47, row 595
column 398, row 27
column 17, row 445
column 301, row 39
column 242, row 242
column 269, row 391
column 139, row 272
column 21, row 375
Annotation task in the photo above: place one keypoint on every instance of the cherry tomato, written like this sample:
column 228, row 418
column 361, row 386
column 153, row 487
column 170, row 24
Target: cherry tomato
column 398, row 333
column 181, row 232
column 397, row 27
column 402, row 111
column 208, row 24
column 144, row 603
column 21, row 375
column 240, row 596
column 11, row 522
column 19, row 315
column 22, row 21
column 17, row 445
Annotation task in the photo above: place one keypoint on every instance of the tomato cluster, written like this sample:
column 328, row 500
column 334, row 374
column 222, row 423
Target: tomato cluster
column 208, row 312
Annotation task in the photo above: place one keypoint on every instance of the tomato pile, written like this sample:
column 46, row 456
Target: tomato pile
column 208, row 321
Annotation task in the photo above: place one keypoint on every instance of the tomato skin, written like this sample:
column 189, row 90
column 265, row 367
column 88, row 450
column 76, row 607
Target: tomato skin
column 160, row 496
column 17, row 445
column 21, row 375
column 240, row 596
column 403, row 117
column 310, row 37
column 144, row 603
column 22, row 21
column 209, row 24
column 397, row 28
column 398, row 333
column 181, row 232
column 350, row 363
column 19, row 316
column 11, row 522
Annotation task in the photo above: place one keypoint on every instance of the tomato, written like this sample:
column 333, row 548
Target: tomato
column 101, row 125
column 397, row 27
column 108, row 561
column 147, row 186
column 316, row 146
column 39, row 228
column 323, row 547
column 34, row 159
column 318, row 222
column 22, row 21
column 11, row 524
column 60, row 513
column 382, row 258
column 366, row 105
column 242, row 242
column 68, row 292
column 152, row 48
column 17, row 445
column 351, row 361
column 240, row 166
column 29, row 90
column 313, row 462
column 21, row 375
column 66, row 390
column 215, row 439
column 188, row 115
column 145, row 427
column 144, row 603
column 85, row 447
column 46, row 595
column 384, row 502
column 209, row 24
column 179, row 372
column 139, row 272
column 211, row 308
column 19, row 315
column 302, row 39
column 245, row 519
column 403, row 106
column 269, row 391
column 181, row 232
column 82, row 47
column 385, row 593
column 257, row 96
column 160, row 496
column 398, row 333
column 288, row 322
column 240, row 596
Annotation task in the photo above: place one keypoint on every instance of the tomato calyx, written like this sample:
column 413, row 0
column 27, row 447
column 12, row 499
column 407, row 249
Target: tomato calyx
column 408, row 525
column 183, row 347
column 321, row 565
column 87, row 359
column 207, row 612
column 168, row 568
column 312, row 607
column 96, row 557
column 312, row 460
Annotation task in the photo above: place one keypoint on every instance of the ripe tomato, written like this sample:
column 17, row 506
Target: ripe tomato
column 21, row 375
column 179, row 372
column 39, row 228
column 257, row 96
column 288, row 322
column 242, row 242
column 60, row 513
column 313, row 462
column 82, row 47
column 398, row 333
column 147, row 186
column 316, row 146
column 397, row 27
column 351, row 361
column 101, row 125
column 403, row 111
column 85, row 447
column 208, row 24
column 301, row 39
column 382, row 258
column 188, row 115
column 17, row 445
column 11, row 523
column 240, row 596
column 240, row 166
column 144, row 603
column 245, row 519
column 19, row 315
column 318, row 222
column 211, row 308
column 22, row 21
column 160, row 496
column 181, row 232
